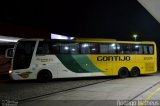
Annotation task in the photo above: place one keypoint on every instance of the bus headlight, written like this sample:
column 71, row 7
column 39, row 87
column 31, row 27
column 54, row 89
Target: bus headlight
column 10, row 74
column 10, row 71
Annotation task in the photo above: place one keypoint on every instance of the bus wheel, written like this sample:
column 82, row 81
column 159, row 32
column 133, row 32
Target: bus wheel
column 123, row 72
column 44, row 76
column 135, row 72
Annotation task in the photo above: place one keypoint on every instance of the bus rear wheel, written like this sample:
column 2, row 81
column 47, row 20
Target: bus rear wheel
column 44, row 76
column 123, row 72
column 135, row 72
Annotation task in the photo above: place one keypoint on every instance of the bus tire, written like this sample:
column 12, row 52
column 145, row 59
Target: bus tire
column 135, row 72
column 123, row 72
column 44, row 76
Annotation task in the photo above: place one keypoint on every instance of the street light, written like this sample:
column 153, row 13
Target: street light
column 135, row 36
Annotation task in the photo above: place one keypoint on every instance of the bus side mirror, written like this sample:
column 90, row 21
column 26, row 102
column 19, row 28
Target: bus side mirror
column 9, row 53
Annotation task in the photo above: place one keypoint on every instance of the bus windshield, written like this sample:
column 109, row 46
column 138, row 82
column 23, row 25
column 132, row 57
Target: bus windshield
column 23, row 54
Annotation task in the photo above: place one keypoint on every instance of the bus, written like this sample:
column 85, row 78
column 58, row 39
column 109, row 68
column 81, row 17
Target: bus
column 48, row 59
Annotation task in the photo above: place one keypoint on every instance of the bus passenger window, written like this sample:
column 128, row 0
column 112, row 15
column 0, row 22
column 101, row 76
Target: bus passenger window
column 42, row 48
column 108, row 48
column 64, row 49
column 137, row 49
column 89, row 48
column 70, row 48
column 124, row 49
column 54, row 49
column 148, row 49
column 74, row 48
column 94, row 48
column 151, row 50
column 145, row 49
column 85, row 48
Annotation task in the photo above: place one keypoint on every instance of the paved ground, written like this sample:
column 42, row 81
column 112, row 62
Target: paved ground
column 115, row 92
column 21, row 90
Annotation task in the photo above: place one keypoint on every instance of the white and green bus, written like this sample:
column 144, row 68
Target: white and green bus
column 47, row 59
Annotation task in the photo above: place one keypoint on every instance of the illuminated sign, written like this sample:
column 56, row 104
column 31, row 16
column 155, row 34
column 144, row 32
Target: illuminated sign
column 57, row 36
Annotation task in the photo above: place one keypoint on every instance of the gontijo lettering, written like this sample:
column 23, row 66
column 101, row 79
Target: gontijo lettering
column 113, row 58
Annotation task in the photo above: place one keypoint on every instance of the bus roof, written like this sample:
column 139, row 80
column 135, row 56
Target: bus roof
column 91, row 40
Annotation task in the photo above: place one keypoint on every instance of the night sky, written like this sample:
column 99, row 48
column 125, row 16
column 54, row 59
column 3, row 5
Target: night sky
column 118, row 19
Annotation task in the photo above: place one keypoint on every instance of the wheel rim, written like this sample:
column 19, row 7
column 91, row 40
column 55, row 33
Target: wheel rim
column 123, row 73
column 135, row 72
column 44, row 76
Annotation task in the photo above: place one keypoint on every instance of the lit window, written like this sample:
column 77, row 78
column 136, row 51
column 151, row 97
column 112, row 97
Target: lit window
column 85, row 45
column 93, row 49
column 113, row 44
column 136, row 46
column 66, row 47
column 73, row 49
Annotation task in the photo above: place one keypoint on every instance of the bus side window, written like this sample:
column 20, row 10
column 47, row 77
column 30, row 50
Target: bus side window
column 42, row 48
column 54, row 48
column 145, row 50
column 85, row 49
column 137, row 49
column 148, row 49
column 124, row 49
column 151, row 49
column 120, row 49
column 89, row 48
column 94, row 48
column 64, row 49
column 74, row 48
column 108, row 48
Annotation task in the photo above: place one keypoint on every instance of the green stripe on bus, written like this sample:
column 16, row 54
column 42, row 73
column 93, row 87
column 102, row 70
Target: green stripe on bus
column 86, row 63
column 78, row 63
column 69, row 62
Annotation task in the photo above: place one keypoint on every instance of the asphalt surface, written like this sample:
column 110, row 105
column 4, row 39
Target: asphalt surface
column 24, row 90
column 138, row 91
column 60, row 91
